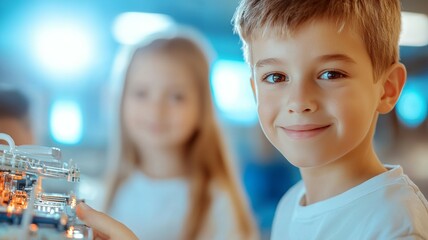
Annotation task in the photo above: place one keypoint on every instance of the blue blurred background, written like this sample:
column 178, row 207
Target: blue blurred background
column 63, row 55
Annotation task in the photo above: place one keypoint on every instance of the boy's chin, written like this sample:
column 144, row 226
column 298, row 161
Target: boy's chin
column 307, row 162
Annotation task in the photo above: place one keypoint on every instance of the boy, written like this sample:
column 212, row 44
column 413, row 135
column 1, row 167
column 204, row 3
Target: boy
column 322, row 72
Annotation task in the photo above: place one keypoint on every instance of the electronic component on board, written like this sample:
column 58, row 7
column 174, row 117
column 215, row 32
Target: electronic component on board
column 26, row 211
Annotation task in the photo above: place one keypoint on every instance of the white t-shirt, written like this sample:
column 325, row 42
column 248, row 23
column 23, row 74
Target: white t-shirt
column 388, row 206
column 157, row 209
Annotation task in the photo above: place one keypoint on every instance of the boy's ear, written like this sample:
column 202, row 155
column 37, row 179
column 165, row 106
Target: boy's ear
column 392, row 86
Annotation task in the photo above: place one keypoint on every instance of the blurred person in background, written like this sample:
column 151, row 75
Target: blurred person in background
column 14, row 115
column 174, row 178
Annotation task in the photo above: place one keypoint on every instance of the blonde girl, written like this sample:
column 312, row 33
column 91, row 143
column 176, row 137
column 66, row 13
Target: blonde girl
column 175, row 179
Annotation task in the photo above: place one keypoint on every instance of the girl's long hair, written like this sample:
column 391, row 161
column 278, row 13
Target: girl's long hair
column 207, row 158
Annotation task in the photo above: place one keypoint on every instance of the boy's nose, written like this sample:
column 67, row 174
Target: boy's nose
column 300, row 108
column 301, row 100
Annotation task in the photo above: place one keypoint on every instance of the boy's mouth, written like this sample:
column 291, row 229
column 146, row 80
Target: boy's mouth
column 304, row 131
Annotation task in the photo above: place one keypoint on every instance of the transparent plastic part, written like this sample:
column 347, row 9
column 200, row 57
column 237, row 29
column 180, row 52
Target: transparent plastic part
column 26, row 211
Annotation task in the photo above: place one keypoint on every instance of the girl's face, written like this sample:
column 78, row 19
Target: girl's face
column 160, row 105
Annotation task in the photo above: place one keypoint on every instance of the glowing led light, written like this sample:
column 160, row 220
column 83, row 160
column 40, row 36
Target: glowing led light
column 414, row 29
column 63, row 48
column 78, row 235
column 412, row 107
column 10, row 209
column 232, row 92
column 70, row 232
column 66, row 122
column 73, row 202
column 33, row 227
column 131, row 27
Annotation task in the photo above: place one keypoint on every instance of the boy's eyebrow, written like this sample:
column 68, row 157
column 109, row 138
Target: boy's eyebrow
column 336, row 57
column 322, row 58
column 267, row 61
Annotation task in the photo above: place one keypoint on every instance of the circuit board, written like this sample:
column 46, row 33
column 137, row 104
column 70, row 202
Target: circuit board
column 26, row 211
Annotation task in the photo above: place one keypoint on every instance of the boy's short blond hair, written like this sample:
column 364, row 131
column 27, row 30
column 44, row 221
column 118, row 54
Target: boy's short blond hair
column 377, row 21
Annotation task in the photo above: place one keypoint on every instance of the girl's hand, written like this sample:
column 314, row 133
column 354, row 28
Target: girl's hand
column 103, row 226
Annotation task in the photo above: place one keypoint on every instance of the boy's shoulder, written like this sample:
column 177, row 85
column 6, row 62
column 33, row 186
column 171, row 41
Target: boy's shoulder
column 402, row 202
column 281, row 227
column 290, row 199
column 385, row 206
column 398, row 209
column 389, row 194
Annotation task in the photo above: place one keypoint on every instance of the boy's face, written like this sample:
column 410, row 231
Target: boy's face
column 317, row 99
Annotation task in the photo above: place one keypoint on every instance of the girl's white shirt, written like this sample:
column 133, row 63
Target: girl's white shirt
column 157, row 209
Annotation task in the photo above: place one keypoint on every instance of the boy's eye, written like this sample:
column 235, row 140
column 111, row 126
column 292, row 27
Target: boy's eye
column 331, row 75
column 275, row 78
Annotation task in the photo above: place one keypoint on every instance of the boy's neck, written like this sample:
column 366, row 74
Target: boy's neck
column 341, row 175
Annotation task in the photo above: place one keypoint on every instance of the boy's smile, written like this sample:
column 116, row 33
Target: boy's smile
column 316, row 95
column 304, row 131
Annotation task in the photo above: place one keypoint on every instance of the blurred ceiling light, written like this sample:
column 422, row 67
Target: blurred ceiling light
column 63, row 48
column 130, row 27
column 414, row 29
column 66, row 122
column 232, row 92
column 412, row 108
